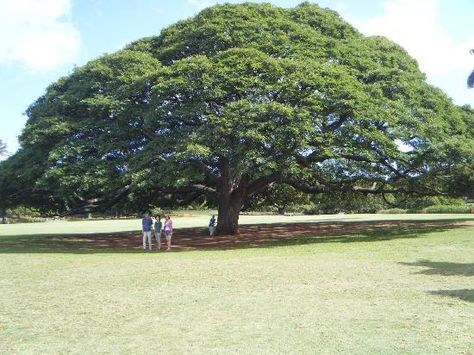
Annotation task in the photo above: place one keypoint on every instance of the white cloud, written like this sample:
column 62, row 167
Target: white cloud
column 37, row 33
column 416, row 26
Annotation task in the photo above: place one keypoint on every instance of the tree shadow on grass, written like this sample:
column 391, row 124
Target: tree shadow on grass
column 251, row 236
column 443, row 268
column 120, row 242
column 447, row 269
column 464, row 295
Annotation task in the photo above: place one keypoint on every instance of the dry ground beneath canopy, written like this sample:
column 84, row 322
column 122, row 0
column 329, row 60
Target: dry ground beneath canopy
column 259, row 235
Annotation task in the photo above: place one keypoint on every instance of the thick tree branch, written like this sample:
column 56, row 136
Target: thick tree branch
column 262, row 182
column 204, row 168
column 303, row 186
column 90, row 204
column 379, row 186
column 203, row 188
column 335, row 125
column 314, row 157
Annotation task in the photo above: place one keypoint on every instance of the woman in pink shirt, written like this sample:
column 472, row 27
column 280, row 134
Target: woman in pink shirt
column 168, row 230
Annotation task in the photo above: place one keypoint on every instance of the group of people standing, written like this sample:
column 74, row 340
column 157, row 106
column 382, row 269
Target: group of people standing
column 153, row 227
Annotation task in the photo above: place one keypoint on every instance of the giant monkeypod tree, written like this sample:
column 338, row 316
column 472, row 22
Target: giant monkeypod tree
column 234, row 100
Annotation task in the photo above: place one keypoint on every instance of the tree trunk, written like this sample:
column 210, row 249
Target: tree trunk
column 3, row 212
column 282, row 210
column 230, row 200
column 228, row 215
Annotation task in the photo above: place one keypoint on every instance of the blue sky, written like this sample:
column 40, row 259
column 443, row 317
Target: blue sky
column 42, row 40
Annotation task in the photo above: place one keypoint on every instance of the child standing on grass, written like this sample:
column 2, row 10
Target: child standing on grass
column 212, row 225
column 158, row 226
column 168, row 230
column 147, row 224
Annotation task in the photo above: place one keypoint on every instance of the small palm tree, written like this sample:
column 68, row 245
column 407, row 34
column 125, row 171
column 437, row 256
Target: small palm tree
column 470, row 79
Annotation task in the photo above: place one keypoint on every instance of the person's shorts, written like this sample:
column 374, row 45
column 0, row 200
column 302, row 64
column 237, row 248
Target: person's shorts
column 168, row 234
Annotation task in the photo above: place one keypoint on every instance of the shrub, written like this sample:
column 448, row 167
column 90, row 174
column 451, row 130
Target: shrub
column 312, row 210
column 393, row 211
column 157, row 212
column 447, row 209
column 27, row 219
column 298, row 208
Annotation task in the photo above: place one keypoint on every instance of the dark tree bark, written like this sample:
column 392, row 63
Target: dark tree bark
column 231, row 200
column 228, row 215
column 281, row 210
column 3, row 213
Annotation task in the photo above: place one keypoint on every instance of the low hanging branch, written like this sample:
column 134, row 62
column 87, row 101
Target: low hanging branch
column 86, row 205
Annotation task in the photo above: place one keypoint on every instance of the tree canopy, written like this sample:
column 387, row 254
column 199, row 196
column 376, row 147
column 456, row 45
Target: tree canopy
column 234, row 100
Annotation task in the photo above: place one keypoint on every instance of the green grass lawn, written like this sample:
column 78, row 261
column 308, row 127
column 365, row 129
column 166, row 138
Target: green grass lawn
column 395, row 292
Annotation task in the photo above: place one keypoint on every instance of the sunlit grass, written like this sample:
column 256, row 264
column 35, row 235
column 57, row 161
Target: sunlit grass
column 372, row 295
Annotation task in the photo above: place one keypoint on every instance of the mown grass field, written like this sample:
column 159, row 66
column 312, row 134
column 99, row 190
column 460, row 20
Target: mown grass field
column 387, row 291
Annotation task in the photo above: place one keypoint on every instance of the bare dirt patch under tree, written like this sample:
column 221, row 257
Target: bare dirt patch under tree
column 260, row 235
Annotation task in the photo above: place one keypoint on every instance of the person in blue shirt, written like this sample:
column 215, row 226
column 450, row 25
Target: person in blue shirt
column 158, row 226
column 147, row 225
